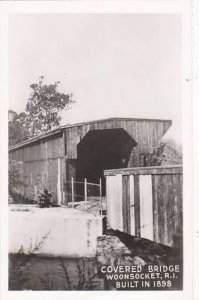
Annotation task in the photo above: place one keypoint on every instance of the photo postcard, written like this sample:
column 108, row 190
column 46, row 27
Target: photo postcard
column 98, row 131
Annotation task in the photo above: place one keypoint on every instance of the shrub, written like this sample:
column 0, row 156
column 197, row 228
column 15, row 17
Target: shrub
column 44, row 198
column 167, row 153
column 14, row 178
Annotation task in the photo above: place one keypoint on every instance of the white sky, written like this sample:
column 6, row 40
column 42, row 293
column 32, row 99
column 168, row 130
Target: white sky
column 116, row 65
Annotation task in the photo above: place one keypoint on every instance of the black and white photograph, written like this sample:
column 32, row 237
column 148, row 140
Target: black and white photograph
column 96, row 152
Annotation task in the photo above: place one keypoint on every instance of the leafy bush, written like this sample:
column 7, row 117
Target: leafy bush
column 167, row 153
column 44, row 198
column 14, row 178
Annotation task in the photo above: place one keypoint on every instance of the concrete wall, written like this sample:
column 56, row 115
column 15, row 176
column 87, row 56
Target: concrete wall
column 53, row 231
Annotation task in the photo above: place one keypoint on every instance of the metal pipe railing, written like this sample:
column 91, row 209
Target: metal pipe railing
column 91, row 193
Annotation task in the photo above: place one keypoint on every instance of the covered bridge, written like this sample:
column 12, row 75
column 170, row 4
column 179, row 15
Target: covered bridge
column 85, row 150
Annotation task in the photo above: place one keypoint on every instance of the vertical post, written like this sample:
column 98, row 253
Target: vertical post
column 73, row 196
column 85, row 191
column 35, row 192
column 59, row 194
column 100, row 182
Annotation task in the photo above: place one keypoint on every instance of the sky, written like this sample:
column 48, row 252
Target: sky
column 115, row 65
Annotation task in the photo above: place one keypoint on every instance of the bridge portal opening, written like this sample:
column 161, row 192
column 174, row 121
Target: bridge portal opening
column 101, row 150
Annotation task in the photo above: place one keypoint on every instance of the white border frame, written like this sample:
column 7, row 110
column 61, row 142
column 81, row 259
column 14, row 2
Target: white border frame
column 171, row 7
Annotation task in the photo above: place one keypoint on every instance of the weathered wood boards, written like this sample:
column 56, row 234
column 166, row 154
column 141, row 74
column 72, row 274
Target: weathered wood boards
column 114, row 205
column 51, row 159
column 145, row 132
column 42, row 165
column 151, row 200
column 146, row 207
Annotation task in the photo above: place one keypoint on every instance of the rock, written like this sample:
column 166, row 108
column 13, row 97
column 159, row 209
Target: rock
column 111, row 251
column 137, row 261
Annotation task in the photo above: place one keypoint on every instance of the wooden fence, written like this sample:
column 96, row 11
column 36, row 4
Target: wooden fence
column 145, row 202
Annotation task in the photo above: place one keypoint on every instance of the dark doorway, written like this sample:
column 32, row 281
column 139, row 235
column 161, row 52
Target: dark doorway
column 101, row 150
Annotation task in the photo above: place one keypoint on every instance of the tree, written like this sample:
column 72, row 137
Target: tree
column 168, row 153
column 18, row 129
column 44, row 105
column 41, row 112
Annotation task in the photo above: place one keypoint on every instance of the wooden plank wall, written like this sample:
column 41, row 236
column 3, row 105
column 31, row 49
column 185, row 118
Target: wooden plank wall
column 43, row 165
column 146, row 133
column 149, row 200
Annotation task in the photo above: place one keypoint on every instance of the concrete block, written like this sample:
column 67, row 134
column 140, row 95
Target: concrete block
column 53, row 231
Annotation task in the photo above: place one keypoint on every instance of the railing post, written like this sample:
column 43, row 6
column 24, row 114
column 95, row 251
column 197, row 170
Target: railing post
column 73, row 197
column 100, row 182
column 85, row 191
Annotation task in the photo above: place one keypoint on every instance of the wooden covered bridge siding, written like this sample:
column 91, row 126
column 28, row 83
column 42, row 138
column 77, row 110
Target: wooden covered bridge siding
column 145, row 202
column 42, row 164
column 51, row 159
column 145, row 132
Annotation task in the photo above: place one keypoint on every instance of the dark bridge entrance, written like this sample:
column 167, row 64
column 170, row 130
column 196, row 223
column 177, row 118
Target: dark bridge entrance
column 101, row 150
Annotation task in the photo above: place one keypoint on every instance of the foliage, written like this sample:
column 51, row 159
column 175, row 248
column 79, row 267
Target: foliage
column 31, row 272
column 14, row 178
column 18, row 129
column 84, row 280
column 44, row 198
column 44, row 105
column 19, row 266
column 168, row 153
column 41, row 112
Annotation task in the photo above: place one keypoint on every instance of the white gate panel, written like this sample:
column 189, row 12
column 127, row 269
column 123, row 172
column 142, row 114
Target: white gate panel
column 114, row 201
column 146, row 207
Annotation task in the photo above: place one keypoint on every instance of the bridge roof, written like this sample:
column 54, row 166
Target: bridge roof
column 68, row 126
